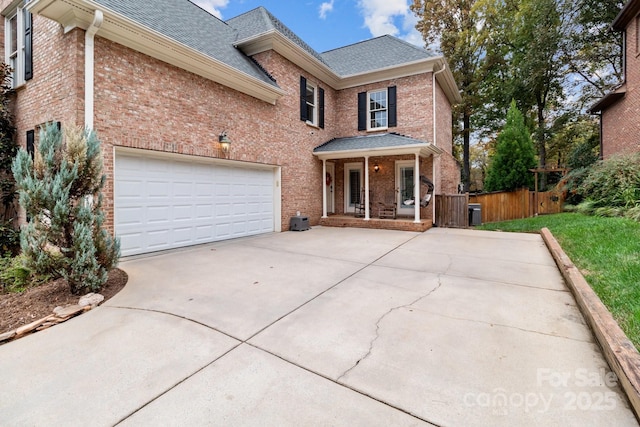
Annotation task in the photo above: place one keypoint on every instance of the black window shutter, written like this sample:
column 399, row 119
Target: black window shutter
column 303, row 99
column 321, row 108
column 30, row 143
column 393, row 115
column 362, row 111
column 28, row 45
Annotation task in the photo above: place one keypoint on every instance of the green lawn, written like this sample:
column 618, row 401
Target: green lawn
column 607, row 252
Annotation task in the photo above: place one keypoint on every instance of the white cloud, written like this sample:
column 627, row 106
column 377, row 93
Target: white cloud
column 212, row 6
column 385, row 16
column 325, row 8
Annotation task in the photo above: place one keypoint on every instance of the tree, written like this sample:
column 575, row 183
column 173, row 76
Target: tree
column 591, row 49
column 514, row 156
column 454, row 24
column 8, row 150
column 61, row 192
column 539, row 69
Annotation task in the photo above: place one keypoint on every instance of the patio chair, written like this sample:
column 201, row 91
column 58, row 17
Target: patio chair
column 359, row 208
column 388, row 207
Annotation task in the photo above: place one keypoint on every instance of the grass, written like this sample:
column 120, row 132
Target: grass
column 607, row 252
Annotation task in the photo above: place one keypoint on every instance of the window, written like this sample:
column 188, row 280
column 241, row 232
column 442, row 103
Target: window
column 377, row 109
column 311, row 103
column 378, row 118
column 18, row 45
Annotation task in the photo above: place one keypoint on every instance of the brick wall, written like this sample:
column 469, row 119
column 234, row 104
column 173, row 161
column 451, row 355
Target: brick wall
column 621, row 121
column 141, row 102
column 414, row 107
column 56, row 91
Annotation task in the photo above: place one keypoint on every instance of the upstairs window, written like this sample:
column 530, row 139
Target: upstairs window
column 18, row 45
column 311, row 103
column 377, row 109
column 311, row 100
column 378, row 114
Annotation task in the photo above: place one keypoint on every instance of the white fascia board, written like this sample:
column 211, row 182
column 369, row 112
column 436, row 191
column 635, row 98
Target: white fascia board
column 448, row 83
column 424, row 150
column 276, row 41
column 117, row 28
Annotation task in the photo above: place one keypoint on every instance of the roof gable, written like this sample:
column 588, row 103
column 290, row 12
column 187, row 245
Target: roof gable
column 190, row 25
column 260, row 21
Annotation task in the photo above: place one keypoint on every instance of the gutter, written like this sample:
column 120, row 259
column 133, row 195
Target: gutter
column 89, row 39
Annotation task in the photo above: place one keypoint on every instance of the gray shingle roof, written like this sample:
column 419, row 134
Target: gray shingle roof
column 259, row 21
column 192, row 26
column 385, row 140
column 374, row 54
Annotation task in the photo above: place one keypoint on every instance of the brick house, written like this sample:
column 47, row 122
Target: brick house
column 620, row 110
column 166, row 85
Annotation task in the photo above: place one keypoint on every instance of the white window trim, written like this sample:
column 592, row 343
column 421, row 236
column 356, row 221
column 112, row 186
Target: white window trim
column 17, row 75
column 369, row 128
column 349, row 167
column 402, row 209
column 313, row 121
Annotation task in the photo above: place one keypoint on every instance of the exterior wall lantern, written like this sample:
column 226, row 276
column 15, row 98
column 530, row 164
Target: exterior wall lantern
column 225, row 143
column 376, row 168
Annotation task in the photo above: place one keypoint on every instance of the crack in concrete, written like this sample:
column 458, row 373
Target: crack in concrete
column 391, row 310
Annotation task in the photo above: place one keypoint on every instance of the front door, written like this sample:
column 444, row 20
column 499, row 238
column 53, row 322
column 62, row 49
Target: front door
column 331, row 183
column 404, row 184
column 352, row 186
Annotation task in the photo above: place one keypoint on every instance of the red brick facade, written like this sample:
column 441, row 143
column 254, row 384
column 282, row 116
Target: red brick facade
column 620, row 111
column 142, row 102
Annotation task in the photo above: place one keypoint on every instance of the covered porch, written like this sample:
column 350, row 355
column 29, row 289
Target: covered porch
column 378, row 181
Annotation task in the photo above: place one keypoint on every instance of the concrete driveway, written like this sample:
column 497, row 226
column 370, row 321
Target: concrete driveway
column 324, row 327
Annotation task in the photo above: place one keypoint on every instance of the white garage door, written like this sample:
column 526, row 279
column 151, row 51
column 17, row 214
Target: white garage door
column 165, row 203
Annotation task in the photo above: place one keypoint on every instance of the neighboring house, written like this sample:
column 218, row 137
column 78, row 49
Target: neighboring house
column 620, row 110
column 163, row 82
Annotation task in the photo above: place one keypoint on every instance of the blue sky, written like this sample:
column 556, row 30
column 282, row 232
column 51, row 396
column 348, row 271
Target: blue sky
column 328, row 24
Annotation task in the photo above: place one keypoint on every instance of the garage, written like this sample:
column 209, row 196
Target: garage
column 171, row 201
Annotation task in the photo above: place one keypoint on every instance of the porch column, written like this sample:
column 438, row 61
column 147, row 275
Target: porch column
column 435, row 179
column 366, row 188
column 416, row 189
column 324, row 188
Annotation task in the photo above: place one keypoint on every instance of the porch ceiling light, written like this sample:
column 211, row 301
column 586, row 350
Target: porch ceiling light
column 225, row 142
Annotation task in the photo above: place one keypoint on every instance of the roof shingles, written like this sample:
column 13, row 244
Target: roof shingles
column 194, row 27
column 384, row 140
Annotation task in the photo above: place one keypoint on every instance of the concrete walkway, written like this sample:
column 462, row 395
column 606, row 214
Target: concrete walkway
column 324, row 327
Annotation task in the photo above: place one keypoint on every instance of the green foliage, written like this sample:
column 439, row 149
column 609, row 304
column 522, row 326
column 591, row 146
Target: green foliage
column 8, row 150
column 15, row 273
column 591, row 49
column 61, row 192
column 9, row 237
column 612, row 183
column 514, row 156
column 570, row 185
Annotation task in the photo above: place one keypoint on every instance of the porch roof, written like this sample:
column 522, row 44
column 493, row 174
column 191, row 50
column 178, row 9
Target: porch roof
column 385, row 144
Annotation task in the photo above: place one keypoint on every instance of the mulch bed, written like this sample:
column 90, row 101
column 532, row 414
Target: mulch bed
column 17, row 309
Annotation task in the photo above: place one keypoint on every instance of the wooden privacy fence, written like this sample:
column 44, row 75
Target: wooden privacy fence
column 507, row 205
column 452, row 210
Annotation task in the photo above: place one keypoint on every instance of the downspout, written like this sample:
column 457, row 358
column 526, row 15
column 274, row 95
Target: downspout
column 433, row 163
column 89, row 37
